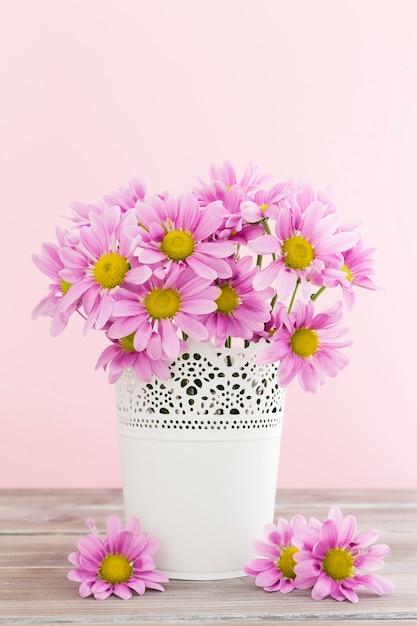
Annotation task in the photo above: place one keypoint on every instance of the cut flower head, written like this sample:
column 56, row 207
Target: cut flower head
column 274, row 571
column 232, row 258
column 335, row 560
column 118, row 564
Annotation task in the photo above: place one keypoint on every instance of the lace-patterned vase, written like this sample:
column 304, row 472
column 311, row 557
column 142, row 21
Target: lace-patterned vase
column 200, row 458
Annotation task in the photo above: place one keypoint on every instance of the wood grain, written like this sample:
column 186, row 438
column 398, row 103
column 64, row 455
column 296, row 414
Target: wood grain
column 38, row 529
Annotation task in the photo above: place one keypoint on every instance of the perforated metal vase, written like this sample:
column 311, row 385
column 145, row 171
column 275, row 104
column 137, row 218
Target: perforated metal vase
column 200, row 458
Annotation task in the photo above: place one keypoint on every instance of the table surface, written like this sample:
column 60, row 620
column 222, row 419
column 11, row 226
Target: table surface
column 39, row 528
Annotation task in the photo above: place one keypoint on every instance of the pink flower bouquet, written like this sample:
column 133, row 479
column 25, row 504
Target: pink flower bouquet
column 230, row 260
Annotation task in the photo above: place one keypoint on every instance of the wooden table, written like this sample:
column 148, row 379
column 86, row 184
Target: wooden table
column 38, row 529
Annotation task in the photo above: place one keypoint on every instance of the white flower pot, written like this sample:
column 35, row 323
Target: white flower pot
column 200, row 458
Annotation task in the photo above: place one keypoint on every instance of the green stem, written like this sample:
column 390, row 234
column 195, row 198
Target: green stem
column 266, row 227
column 314, row 296
column 293, row 295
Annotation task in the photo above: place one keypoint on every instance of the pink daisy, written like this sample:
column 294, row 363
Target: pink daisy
column 233, row 193
column 162, row 307
column 307, row 346
column 332, row 562
column 267, row 203
column 241, row 310
column 275, row 570
column 178, row 231
column 357, row 271
column 306, row 195
column 121, row 355
column 304, row 244
column 224, row 179
column 275, row 322
column 125, row 198
column 99, row 263
column 49, row 263
column 118, row 564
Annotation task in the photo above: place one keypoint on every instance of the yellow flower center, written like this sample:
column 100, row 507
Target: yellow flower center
column 348, row 273
column 110, row 270
column 286, row 562
column 127, row 343
column 115, row 568
column 299, row 252
column 338, row 564
column 177, row 245
column 65, row 286
column 227, row 300
column 264, row 207
column 304, row 342
column 161, row 303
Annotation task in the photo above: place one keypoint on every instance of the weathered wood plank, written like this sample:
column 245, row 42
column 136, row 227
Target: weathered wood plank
column 235, row 621
column 55, row 511
column 137, row 621
column 51, row 550
column 48, row 592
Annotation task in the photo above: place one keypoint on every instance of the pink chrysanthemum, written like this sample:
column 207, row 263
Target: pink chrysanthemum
column 275, row 570
column 267, row 203
column 306, row 195
column 233, row 193
column 274, row 322
column 99, row 263
column 358, row 272
column 305, row 242
column 121, row 355
column 50, row 264
column 118, row 564
column 223, row 180
column 162, row 307
column 241, row 310
column 125, row 198
column 331, row 563
column 307, row 345
column 178, row 231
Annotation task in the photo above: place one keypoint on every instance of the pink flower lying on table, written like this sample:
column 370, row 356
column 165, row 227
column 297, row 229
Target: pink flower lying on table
column 275, row 570
column 338, row 560
column 331, row 558
column 118, row 564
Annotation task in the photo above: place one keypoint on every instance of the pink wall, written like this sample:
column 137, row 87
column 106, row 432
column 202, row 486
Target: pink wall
column 96, row 92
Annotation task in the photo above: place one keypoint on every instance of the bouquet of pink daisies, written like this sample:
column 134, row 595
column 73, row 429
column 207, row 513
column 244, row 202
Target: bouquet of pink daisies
column 229, row 261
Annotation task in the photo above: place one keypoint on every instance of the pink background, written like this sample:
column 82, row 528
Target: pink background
column 96, row 92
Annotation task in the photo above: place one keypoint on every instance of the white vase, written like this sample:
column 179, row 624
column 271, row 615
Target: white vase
column 200, row 456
